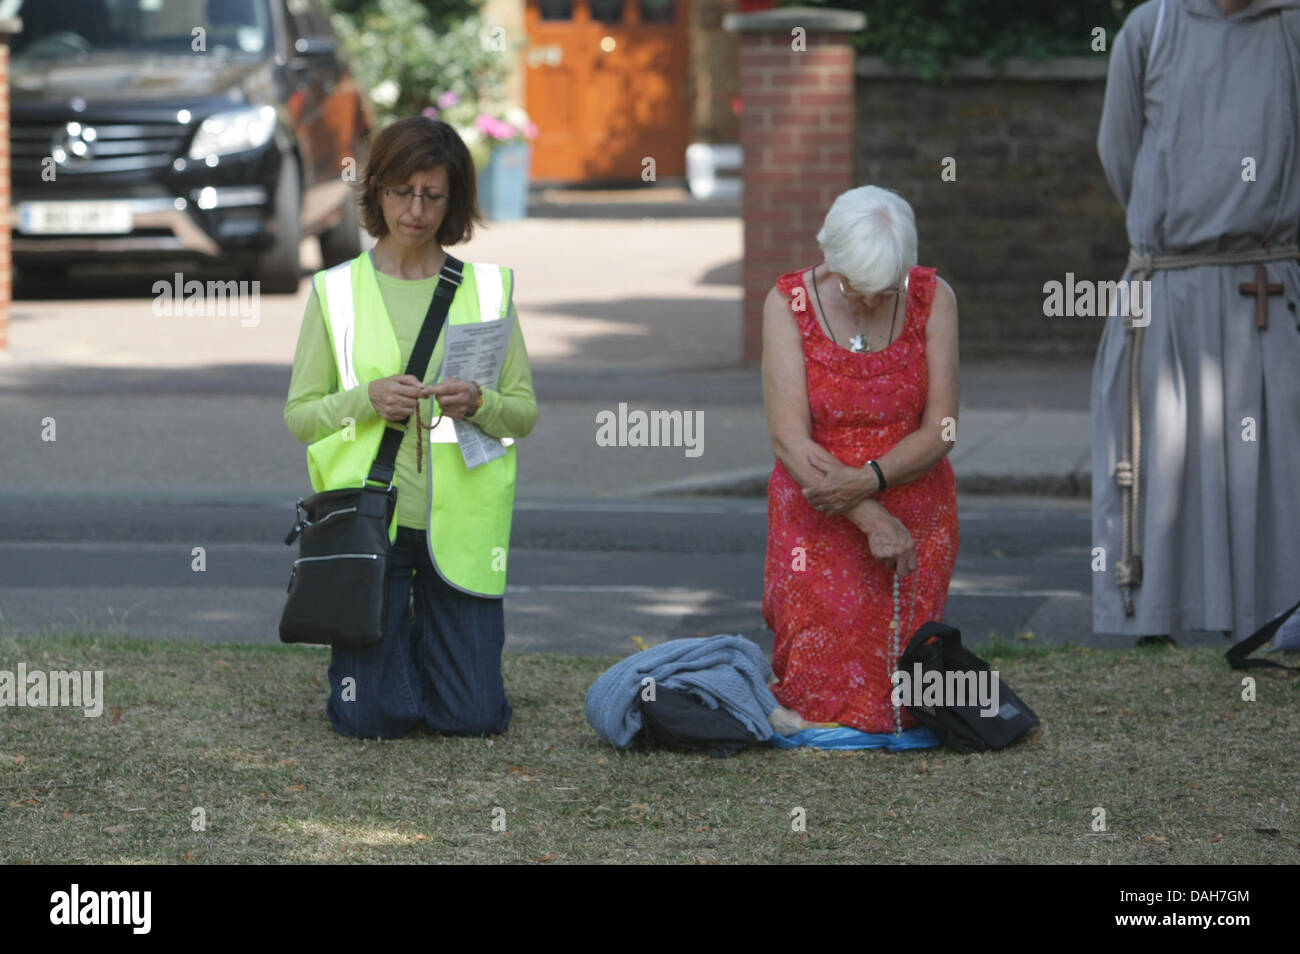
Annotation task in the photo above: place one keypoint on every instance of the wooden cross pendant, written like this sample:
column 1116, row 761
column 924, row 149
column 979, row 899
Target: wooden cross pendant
column 1261, row 288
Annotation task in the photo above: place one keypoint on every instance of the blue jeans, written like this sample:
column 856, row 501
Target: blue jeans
column 439, row 669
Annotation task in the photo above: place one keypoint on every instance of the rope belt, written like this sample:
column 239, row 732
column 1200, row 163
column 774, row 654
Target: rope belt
column 1128, row 472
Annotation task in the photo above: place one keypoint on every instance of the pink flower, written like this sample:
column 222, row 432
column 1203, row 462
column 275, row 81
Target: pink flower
column 448, row 99
column 494, row 127
column 530, row 130
column 430, row 112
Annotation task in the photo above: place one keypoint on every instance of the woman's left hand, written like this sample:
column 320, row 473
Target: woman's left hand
column 840, row 487
column 456, row 398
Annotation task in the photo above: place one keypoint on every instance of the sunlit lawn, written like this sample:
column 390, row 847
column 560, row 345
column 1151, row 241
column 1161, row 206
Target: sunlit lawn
column 1185, row 770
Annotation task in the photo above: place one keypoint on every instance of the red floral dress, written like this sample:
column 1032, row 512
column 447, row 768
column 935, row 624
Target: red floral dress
column 831, row 603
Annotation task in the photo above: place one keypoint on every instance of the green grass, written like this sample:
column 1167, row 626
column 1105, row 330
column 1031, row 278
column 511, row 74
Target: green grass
column 1186, row 771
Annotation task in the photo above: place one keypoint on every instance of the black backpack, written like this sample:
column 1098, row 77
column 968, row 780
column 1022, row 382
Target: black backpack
column 938, row 648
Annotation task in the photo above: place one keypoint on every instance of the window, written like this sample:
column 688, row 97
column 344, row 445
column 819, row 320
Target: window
column 76, row 29
column 555, row 9
column 607, row 11
column 657, row 11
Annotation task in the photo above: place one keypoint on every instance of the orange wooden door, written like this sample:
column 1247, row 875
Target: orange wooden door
column 607, row 87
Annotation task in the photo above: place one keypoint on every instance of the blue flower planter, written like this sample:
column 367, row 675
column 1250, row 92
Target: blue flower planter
column 503, row 187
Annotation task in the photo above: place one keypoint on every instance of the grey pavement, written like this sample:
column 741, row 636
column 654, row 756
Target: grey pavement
column 123, row 430
column 643, row 312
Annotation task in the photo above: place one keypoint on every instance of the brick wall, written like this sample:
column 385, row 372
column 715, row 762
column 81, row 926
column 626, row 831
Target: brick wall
column 1029, row 203
column 796, row 129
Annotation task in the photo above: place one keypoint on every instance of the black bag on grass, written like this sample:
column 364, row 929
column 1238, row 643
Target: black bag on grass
column 679, row 721
column 937, row 648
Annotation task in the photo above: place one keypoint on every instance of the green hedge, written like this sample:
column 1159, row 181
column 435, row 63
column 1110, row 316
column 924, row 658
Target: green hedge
column 441, row 13
column 405, row 58
column 925, row 36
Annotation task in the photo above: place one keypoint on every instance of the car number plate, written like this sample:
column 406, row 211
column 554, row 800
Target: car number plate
column 74, row 218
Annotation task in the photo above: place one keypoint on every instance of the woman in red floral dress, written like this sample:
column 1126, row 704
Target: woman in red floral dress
column 860, row 386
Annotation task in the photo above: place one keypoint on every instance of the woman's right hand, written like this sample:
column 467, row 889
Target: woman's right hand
column 395, row 397
column 890, row 541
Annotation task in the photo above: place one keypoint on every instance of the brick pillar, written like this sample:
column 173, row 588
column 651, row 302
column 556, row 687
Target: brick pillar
column 797, row 132
column 8, row 27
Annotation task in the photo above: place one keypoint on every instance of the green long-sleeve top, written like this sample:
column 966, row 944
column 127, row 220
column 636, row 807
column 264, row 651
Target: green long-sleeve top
column 316, row 407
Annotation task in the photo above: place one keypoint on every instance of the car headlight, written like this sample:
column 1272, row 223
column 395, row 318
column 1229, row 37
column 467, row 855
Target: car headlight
column 236, row 131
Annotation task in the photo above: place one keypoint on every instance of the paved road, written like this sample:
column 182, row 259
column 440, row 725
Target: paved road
column 586, row 576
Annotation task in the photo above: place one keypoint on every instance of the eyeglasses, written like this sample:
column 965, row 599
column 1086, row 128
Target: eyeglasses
column 849, row 291
column 405, row 196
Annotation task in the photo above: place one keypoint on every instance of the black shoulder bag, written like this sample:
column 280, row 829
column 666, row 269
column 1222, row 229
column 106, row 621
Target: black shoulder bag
column 338, row 591
column 1238, row 653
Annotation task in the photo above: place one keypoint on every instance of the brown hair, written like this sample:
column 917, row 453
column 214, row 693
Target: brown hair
column 418, row 144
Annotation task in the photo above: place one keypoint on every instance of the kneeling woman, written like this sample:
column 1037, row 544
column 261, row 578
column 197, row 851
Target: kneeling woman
column 442, row 669
column 860, row 386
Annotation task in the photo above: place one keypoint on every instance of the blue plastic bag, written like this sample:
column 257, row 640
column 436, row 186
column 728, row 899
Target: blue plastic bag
column 845, row 738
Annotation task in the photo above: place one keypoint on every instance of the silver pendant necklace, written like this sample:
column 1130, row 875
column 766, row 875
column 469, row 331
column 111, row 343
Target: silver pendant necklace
column 858, row 344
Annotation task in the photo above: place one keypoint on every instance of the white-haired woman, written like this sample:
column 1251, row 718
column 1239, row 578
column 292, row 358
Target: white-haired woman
column 860, row 387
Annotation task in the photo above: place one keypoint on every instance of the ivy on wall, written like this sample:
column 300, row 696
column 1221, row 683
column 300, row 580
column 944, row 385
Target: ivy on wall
column 925, row 36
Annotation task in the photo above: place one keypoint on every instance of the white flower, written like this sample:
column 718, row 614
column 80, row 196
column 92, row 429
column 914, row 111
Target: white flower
column 517, row 117
column 385, row 94
column 471, row 135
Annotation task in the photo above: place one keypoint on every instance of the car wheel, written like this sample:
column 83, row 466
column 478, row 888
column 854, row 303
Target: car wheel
column 280, row 270
column 342, row 242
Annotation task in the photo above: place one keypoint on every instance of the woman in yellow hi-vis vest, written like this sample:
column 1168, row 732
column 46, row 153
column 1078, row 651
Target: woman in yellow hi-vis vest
column 440, row 670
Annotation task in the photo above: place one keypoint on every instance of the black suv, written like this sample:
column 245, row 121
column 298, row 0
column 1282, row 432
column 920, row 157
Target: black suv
column 215, row 132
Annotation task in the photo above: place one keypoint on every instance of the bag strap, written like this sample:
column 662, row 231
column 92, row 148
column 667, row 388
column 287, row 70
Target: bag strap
column 449, row 279
column 949, row 645
column 1238, row 653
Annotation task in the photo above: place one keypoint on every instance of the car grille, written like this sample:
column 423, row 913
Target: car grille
column 117, row 147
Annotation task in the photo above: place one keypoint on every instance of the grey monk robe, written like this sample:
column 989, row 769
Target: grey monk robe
column 1197, row 105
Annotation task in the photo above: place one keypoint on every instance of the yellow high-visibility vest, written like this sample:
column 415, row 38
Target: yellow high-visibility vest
column 469, row 510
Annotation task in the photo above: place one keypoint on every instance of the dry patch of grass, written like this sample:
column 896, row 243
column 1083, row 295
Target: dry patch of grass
column 1185, row 770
